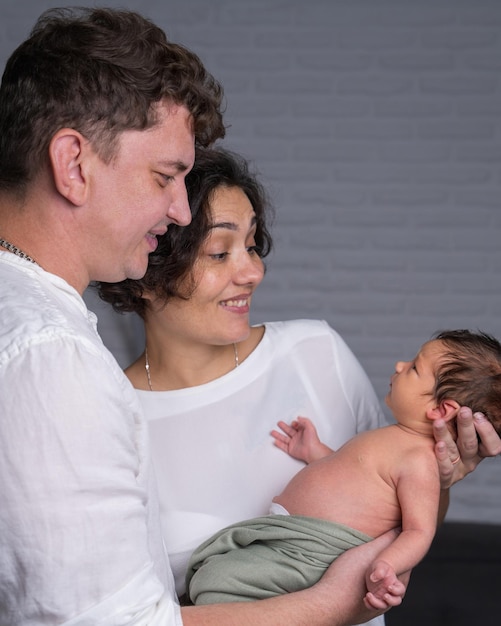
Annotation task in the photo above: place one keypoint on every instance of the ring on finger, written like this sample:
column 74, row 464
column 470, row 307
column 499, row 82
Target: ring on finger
column 456, row 460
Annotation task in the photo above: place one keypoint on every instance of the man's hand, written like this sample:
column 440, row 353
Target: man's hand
column 457, row 458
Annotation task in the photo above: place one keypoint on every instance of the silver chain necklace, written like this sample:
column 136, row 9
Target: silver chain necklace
column 147, row 363
column 17, row 251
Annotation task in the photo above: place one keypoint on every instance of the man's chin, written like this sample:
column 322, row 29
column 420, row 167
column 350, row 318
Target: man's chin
column 129, row 273
column 136, row 275
column 137, row 270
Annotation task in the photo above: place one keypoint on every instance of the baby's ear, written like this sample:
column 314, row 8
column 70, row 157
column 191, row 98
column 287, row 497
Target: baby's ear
column 446, row 410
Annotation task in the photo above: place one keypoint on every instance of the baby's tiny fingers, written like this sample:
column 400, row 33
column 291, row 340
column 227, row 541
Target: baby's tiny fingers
column 287, row 428
column 279, row 436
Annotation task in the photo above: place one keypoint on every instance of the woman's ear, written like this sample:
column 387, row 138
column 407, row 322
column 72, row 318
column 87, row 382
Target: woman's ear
column 66, row 153
column 446, row 410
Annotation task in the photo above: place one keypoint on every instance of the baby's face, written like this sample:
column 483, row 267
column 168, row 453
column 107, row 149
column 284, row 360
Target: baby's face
column 412, row 385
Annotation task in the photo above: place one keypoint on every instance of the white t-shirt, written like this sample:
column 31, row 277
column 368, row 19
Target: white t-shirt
column 80, row 539
column 214, row 458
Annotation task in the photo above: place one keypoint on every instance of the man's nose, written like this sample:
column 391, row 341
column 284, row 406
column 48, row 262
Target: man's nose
column 179, row 210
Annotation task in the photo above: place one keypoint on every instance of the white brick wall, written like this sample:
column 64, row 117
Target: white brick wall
column 377, row 126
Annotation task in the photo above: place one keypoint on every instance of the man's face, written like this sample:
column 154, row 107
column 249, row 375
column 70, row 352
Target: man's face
column 138, row 194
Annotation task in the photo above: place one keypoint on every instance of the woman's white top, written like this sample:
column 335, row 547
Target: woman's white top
column 213, row 454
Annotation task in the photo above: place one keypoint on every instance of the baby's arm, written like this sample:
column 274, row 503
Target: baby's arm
column 418, row 491
column 300, row 440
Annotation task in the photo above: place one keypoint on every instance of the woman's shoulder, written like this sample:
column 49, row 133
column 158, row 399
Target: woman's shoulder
column 308, row 337
column 300, row 329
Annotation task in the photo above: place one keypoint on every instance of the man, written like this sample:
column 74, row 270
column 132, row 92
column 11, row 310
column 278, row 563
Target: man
column 99, row 116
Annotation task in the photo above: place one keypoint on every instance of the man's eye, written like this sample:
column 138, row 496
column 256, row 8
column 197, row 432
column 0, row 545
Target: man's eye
column 166, row 178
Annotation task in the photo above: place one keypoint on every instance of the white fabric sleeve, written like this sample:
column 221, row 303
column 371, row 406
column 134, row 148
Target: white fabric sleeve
column 357, row 387
column 74, row 474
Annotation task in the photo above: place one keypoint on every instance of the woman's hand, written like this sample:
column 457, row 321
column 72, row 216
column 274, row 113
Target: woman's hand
column 300, row 440
column 457, row 458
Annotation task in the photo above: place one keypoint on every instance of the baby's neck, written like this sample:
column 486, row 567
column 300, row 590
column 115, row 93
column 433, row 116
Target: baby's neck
column 419, row 429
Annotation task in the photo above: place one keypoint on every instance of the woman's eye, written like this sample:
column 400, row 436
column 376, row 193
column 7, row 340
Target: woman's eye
column 219, row 256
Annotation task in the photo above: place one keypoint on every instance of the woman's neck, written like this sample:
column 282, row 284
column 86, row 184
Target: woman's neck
column 169, row 364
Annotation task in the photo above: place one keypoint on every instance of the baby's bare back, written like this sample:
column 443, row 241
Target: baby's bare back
column 356, row 485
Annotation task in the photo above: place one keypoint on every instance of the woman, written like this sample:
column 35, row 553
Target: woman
column 213, row 387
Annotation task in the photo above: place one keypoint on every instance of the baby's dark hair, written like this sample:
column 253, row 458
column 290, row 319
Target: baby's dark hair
column 470, row 372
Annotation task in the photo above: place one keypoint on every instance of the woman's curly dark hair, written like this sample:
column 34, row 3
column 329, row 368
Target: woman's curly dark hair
column 170, row 267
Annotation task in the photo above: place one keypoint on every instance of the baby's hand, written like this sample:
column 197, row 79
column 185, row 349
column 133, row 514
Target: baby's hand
column 384, row 588
column 300, row 440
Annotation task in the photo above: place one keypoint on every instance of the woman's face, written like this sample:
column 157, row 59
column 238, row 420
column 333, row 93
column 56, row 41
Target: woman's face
column 226, row 273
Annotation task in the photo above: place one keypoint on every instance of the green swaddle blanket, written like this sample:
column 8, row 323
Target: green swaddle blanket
column 266, row 556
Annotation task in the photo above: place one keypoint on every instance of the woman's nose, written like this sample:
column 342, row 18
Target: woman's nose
column 251, row 270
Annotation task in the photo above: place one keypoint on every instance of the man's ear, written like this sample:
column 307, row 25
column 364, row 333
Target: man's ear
column 66, row 153
column 446, row 410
